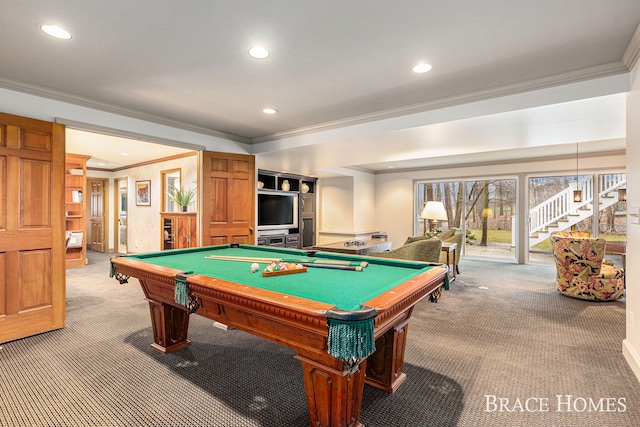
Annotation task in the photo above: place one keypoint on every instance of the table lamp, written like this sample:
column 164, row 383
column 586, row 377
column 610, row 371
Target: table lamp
column 434, row 211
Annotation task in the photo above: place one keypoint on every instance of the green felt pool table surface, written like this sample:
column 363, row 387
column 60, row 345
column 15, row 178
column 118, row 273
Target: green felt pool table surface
column 346, row 289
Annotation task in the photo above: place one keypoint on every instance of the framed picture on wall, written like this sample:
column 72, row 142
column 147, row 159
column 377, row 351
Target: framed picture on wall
column 143, row 193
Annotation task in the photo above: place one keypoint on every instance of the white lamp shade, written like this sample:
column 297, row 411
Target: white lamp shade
column 434, row 210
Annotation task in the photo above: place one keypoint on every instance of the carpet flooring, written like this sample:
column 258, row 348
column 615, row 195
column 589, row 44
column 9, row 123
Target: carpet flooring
column 501, row 348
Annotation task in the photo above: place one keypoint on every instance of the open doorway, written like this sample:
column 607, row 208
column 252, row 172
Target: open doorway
column 120, row 185
column 112, row 153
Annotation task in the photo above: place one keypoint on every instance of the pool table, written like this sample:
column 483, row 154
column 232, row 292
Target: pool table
column 347, row 327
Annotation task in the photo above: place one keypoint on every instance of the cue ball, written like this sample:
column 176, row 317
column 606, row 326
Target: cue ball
column 255, row 267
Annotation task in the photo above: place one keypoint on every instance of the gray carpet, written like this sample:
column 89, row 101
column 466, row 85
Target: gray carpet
column 502, row 330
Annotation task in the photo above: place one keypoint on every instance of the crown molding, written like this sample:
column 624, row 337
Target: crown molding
column 521, row 160
column 83, row 102
column 90, row 127
column 632, row 52
column 601, row 71
column 147, row 163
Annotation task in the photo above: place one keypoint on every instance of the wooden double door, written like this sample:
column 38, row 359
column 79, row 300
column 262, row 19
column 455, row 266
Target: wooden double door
column 32, row 236
column 32, row 220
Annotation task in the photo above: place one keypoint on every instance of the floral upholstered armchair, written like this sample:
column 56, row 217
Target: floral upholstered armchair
column 582, row 271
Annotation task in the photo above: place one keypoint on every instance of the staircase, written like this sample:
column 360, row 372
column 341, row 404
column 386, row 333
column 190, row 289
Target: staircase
column 560, row 212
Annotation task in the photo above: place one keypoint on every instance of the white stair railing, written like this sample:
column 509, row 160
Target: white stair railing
column 562, row 212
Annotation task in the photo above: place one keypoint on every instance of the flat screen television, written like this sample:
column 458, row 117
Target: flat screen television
column 277, row 210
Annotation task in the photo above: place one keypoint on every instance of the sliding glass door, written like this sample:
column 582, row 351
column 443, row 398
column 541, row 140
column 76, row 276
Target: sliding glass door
column 490, row 218
column 483, row 209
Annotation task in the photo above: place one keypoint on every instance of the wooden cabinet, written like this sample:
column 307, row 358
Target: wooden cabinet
column 280, row 240
column 303, row 233
column 178, row 230
column 308, row 212
column 75, row 214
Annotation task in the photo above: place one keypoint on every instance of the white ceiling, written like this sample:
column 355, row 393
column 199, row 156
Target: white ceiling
column 110, row 152
column 339, row 74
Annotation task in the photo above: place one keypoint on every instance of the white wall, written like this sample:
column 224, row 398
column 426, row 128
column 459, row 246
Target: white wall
column 364, row 201
column 631, row 345
column 335, row 212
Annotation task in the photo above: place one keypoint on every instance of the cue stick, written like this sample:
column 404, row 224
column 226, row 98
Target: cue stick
column 243, row 258
column 317, row 263
column 341, row 262
column 333, row 266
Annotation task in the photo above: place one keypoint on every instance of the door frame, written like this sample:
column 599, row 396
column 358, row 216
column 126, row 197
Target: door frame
column 116, row 211
column 105, row 211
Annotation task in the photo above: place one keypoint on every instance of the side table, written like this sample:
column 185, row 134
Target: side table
column 451, row 248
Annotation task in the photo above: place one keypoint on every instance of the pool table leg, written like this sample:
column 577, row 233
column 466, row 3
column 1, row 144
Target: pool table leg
column 384, row 366
column 334, row 395
column 170, row 326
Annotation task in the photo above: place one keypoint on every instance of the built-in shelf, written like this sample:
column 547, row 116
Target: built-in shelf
column 75, row 214
column 305, row 234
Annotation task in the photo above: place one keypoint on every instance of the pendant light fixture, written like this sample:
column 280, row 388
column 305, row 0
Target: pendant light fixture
column 622, row 194
column 577, row 193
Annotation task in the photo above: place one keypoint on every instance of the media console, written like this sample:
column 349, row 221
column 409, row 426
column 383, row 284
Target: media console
column 286, row 210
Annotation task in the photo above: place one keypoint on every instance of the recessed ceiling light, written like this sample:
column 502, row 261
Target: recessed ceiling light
column 124, row 154
column 269, row 110
column 422, row 68
column 258, row 52
column 55, row 31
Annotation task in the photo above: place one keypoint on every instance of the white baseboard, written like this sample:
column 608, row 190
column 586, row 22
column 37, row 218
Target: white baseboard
column 632, row 358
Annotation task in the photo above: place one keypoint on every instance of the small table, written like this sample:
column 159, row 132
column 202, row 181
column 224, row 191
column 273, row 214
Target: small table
column 356, row 247
column 617, row 248
column 451, row 247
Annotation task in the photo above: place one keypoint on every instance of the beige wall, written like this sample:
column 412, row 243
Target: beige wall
column 346, row 207
column 144, row 221
column 631, row 345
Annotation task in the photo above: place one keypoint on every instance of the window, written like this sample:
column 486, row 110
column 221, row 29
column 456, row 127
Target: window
column 446, row 192
column 170, row 179
column 612, row 221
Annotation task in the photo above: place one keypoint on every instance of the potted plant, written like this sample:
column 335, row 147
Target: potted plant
column 182, row 197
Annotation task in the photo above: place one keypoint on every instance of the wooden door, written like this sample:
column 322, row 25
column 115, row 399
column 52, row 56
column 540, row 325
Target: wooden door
column 96, row 215
column 228, row 201
column 32, row 236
